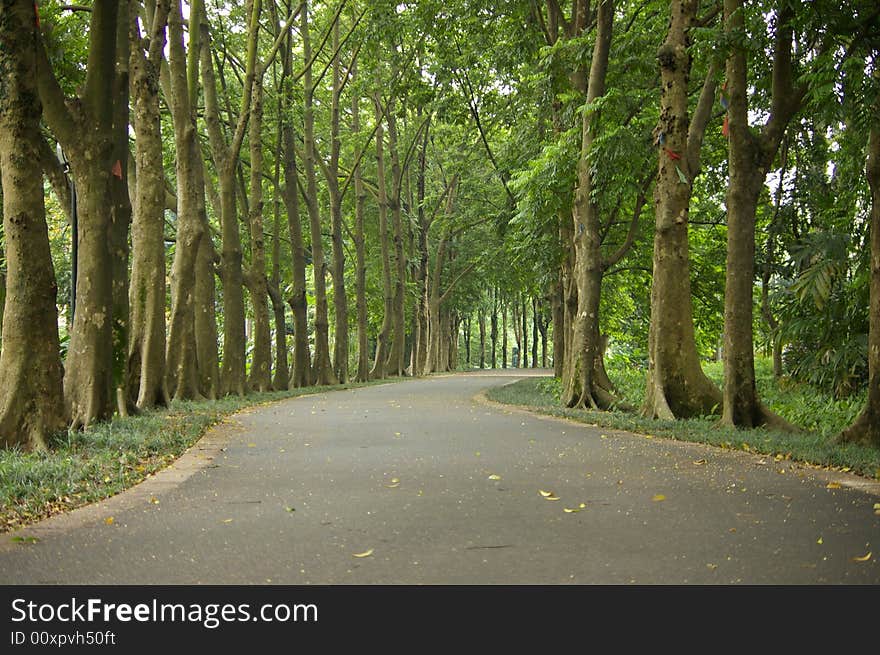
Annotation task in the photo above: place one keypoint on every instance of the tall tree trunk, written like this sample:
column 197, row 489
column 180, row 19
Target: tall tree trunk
column 677, row 386
column 750, row 158
column 503, row 334
column 31, row 397
column 281, row 372
column 420, row 347
column 397, row 350
column 525, row 333
column 182, row 372
column 146, row 344
column 467, row 341
column 866, row 427
column 558, row 308
column 226, row 161
column 340, row 297
column 261, row 357
column 580, row 389
column 383, row 338
column 360, row 277
column 301, row 375
column 481, row 316
column 493, row 328
column 535, row 321
column 322, row 367
column 120, row 211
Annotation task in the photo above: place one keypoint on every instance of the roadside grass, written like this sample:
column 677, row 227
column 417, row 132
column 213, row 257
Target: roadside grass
column 821, row 417
column 81, row 467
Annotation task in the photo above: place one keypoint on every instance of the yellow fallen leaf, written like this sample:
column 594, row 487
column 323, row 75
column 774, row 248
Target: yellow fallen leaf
column 154, row 500
column 106, row 478
column 658, row 497
column 819, row 540
column 582, row 505
column 700, row 462
column 832, row 485
column 571, row 510
column 393, row 485
column 864, row 558
column 603, row 436
column 109, row 520
column 494, row 477
column 227, row 520
column 252, row 445
column 711, row 567
column 746, row 447
column 545, row 493
column 366, row 553
column 395, row 480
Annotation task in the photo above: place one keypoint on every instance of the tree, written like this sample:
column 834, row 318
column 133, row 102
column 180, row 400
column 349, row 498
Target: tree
column 31, row 400
column 677, row 386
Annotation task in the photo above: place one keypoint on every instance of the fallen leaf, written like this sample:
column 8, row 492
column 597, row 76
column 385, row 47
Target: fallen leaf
column 658, row 497
column 582, row 505
column 289, row 509
column 570, row 510
column 832, row 485
column 227, row 520
column 819, row 540
column 711, row 567
column 864, row 558
column 545, row 493
column 700, row 462
column 26, row 540
column 252, row 445
column 366, row 553
column 154, row 500
column 109, row 520
column 494, row 477
column 393, row 485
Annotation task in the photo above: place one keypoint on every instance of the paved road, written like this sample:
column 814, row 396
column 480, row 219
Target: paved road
column 444, row 489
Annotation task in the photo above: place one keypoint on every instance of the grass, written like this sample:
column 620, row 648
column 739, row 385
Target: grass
column 821, row 416
column 81, row 467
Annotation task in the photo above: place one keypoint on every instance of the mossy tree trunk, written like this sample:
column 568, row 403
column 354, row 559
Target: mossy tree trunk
column 31, row 396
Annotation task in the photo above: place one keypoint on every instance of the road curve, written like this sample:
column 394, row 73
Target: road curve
column 433, row 486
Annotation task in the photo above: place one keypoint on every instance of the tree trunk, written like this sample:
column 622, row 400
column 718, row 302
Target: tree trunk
column 281, row 372
column 120, row 212
column 558, row 309
column 493, row 328
column 866, row 427
column 534, row 333
column 580, row 389
column 748, row 162
column 503, row 335
column 525, row 334
column 360, row 276
column 260, row 378
column 397, row 350
column 322, row 367
column 467, row 341
column 677, row 386
column 301, row 374
column 481, row 316
column 146, row 345
column 384, row 336
column 31, row 400
column 340, row 296
column 182, row 373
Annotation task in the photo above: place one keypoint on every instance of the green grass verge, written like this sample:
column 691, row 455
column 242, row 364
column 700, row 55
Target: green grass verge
column 820, row 416
column 82, row 467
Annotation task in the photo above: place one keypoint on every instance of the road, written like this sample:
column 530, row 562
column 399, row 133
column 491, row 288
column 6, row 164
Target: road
column 431, row 485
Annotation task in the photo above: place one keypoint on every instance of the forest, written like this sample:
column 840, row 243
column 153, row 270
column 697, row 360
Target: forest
column 209, row 198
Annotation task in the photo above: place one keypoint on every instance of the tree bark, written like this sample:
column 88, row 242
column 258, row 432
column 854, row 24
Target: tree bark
column 146, row 344
column 182, row 371
column 749, row 160
column 322, row 367
column 677, row 386
column 31, row 393
column 866, row 427
column 397, row 349
column 340, row 296
column 260, row 378
column 383, row 338
column 360, row 277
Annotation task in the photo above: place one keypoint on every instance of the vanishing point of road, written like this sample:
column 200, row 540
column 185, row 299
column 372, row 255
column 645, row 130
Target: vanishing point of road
column 423, row 482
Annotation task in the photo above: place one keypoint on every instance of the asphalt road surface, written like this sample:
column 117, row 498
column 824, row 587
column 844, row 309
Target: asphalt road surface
column 431, row 485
